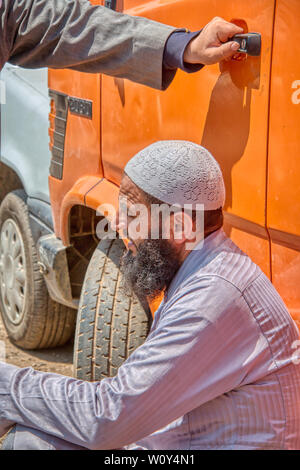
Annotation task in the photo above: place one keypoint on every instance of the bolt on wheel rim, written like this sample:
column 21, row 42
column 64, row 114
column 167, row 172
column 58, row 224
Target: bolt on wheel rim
column 13, row 284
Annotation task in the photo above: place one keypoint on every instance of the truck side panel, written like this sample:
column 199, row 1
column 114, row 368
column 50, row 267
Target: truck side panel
column 284, row 151
column 81, row 145
column 224, row 108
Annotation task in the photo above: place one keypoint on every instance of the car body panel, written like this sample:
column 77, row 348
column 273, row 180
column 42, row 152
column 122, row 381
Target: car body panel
column 284, row 151
column 224, row 108
column 82, row 150
column 24, row 128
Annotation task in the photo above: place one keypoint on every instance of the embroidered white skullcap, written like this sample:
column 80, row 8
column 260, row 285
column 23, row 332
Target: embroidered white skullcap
column 178, row 172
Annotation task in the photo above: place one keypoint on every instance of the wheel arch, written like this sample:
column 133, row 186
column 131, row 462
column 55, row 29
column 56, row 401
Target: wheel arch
column 78, row 221
column 9, row 180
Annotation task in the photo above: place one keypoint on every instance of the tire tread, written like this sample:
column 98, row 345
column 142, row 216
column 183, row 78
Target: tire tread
column 111, row 322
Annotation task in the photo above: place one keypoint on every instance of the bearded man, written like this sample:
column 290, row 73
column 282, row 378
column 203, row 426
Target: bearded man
column 217, row 370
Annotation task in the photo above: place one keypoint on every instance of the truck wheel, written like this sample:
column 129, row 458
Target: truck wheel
column 111, row 322
column 32, row 319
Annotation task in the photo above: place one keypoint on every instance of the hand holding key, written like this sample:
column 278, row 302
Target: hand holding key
column 213, row 43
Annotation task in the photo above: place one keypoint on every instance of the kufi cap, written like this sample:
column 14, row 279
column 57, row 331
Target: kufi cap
column 178, row 172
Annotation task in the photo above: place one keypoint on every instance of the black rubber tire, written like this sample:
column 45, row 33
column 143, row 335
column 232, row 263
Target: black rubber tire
column 111, row 322
column 45, row 323
column 9, row 181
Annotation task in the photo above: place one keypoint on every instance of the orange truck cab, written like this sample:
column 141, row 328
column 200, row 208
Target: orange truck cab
column 247, row 113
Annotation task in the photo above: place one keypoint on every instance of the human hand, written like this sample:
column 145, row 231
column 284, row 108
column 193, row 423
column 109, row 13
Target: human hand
column 208, row 47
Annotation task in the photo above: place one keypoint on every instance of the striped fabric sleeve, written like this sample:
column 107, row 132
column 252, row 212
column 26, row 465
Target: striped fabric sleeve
column 196, row 352
column 77, row 35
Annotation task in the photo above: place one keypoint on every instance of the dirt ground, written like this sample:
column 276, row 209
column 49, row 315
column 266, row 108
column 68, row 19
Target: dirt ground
column 59, row 360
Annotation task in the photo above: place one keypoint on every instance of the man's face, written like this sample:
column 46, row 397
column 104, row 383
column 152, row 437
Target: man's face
column 134, row 217
column 149, row 264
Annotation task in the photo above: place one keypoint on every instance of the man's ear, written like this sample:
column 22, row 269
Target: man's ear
column 181, row 227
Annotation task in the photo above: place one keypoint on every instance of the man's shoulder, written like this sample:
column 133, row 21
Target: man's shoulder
column 229, row 265
column 218, row 274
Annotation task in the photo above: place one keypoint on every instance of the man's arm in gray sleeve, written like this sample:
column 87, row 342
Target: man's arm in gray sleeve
column 186, row 361
column 74, row 34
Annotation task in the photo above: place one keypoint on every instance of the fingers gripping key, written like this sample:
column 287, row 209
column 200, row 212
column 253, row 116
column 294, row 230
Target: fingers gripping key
column 250, row 43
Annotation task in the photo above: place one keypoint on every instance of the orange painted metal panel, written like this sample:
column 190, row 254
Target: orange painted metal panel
column 82, row 155
column 284, row 151
column 223, row 108
column 103, row 193
column 75, row 196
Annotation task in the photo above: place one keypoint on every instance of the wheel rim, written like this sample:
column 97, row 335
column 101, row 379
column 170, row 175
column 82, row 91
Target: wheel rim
column 13, row 284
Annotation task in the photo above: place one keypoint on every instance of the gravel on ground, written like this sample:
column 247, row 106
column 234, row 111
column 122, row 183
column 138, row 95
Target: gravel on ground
column 58, row 360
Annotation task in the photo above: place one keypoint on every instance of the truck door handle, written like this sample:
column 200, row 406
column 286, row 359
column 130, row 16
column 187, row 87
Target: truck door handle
column 250, row 43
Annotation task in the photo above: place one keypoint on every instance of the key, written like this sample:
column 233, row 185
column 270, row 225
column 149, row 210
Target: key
column 250, row 43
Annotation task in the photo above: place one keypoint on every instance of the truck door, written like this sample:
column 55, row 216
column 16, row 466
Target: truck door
column 284, row 151
column 223, row 107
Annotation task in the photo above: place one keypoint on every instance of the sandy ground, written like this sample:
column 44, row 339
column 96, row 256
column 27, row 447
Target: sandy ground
column 59, row 360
